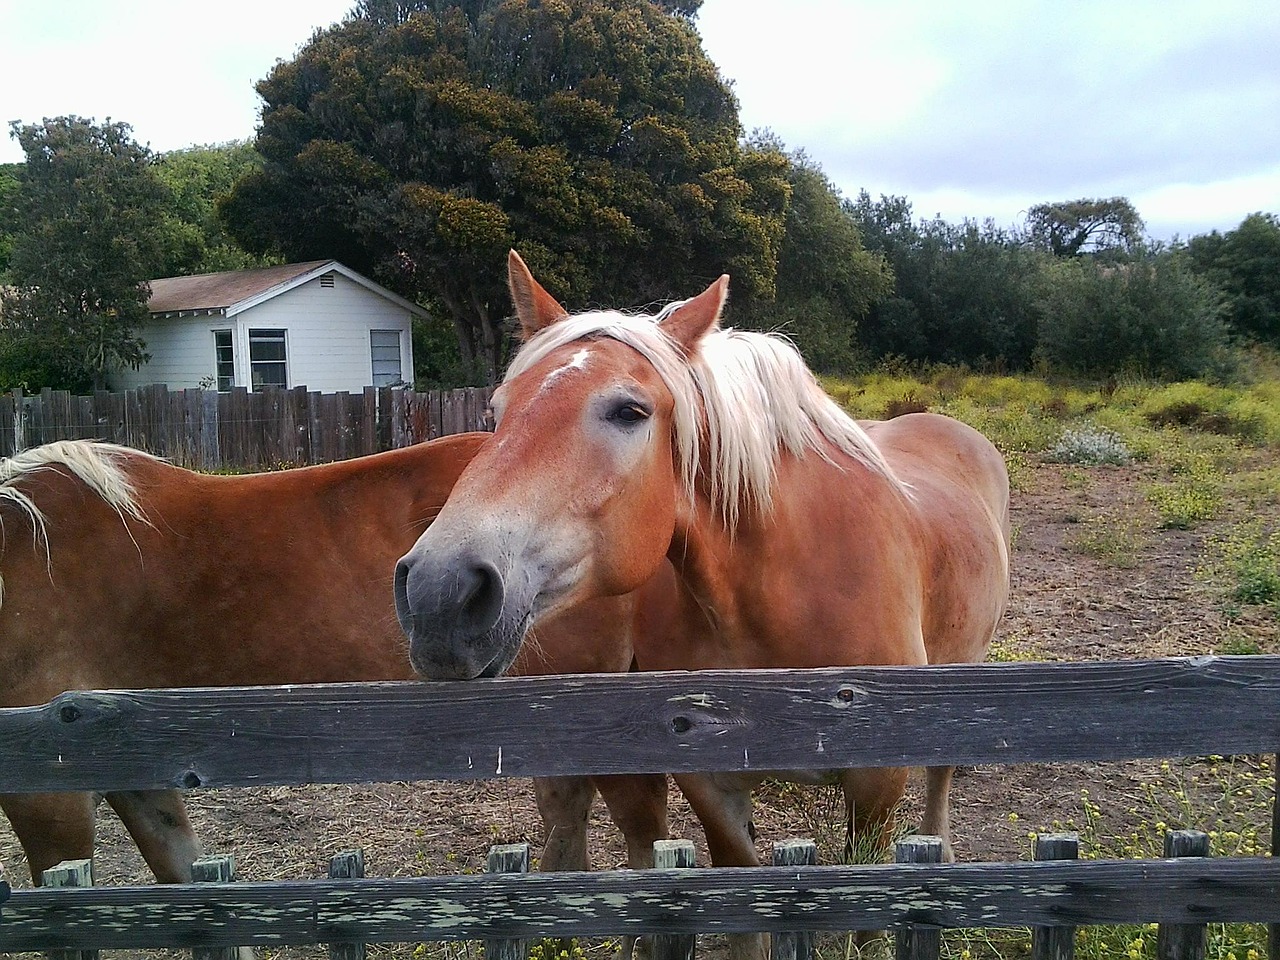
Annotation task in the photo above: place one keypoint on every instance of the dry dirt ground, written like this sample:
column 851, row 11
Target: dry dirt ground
column 1143, row 599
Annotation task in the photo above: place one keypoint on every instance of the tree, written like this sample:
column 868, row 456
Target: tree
column 827, row 282
column 199, row 178
column 1152, row 316
column 418, row 141
column 10, row 181
column 86, row 242
column 1073, row 227
column 1245, row 264
column 962, row 293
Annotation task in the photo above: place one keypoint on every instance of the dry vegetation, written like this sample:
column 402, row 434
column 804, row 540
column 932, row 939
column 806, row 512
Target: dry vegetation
column 1174, row 552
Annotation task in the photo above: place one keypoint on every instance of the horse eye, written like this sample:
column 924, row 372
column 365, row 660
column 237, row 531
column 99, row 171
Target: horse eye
column 629, row 412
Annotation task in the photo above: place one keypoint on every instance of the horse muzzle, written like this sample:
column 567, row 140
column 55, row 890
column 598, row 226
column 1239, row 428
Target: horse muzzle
column 458, row 618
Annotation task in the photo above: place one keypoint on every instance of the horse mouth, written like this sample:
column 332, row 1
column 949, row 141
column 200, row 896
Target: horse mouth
column 469, row 659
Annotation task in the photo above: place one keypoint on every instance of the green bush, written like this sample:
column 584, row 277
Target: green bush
column 1151, row 316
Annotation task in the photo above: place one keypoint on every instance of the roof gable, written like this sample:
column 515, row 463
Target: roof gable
column 234, row 291
column 215, row 291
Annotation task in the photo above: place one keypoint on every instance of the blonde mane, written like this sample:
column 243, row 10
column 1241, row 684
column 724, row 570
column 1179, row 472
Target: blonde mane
column 94, row 464
column 745, row 396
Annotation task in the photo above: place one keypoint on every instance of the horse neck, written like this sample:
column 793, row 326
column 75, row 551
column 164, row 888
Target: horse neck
column 718, row 565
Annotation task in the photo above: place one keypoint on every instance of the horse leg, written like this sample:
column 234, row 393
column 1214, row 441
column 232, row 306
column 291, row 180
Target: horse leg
column 871, row 798
column 638, row 805
column 565, row 805
column 723, row 807
column 937, row 806
column 51, row 827
column 157, row 821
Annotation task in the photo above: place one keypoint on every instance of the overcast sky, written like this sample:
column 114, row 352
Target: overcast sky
column 977, row 109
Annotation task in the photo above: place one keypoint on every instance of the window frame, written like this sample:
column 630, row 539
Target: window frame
column 373, row 360
column 264, row 335
column 219, row 362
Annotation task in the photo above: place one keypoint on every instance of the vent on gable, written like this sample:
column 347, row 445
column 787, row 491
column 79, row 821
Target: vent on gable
column 326, row 280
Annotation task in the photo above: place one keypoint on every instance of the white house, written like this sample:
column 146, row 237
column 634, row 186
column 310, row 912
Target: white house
column 318, row 324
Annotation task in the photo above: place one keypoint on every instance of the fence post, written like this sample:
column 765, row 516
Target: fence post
column 347, row 865
column 912, row 941
column 1273, row 930
column 19, row 421
column 1183, row 941
column 1055, row 943
column 507, row 858
column 214, row 870
column 70, row 873
column 673, row 855
column 799, row 853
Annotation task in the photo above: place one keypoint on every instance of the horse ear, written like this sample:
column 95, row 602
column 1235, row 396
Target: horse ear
column 695, row 318
column 535, row 308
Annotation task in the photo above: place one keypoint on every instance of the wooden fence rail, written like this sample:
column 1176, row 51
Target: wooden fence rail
column 266, row 429
column 714, row 720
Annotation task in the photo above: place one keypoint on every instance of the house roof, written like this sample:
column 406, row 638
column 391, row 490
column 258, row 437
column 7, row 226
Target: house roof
column 235, row 290
column 210, row 291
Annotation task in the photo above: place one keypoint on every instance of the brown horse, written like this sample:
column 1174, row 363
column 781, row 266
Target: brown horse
column 122, row 571
column 796, row 537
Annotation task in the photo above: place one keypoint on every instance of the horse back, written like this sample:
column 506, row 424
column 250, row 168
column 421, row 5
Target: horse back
column 225, row 580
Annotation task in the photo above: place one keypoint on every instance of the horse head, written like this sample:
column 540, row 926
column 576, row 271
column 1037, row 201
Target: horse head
column 578, row 493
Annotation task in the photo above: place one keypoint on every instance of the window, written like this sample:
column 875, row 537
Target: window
column 267, row 359
column 224, row 361
column 385, row 349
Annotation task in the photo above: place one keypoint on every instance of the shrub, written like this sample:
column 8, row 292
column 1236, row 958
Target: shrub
column 1089, row 444
column 1151, row 315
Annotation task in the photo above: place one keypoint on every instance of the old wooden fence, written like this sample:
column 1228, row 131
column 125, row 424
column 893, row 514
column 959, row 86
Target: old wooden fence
column 713, row 720
column 271, row 428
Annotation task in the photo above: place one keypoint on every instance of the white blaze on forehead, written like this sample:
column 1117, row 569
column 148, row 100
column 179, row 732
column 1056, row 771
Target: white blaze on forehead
column 577, row 362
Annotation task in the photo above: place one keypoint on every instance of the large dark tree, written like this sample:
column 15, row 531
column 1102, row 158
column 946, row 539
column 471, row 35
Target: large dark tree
column 1245, row 264
column 418, row 141
column 87, row 237
column 1072, row 227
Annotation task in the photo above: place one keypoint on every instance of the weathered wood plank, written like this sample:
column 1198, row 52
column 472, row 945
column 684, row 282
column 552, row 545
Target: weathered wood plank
column 917, row 940
column 611, row 903
column 1183, row 941
column 507, row 858
column 1055, row 943
column 642, row 722
column 674, row 855
column 347, row 865
column 216, row 869
column 67, row 875
column 794, row 944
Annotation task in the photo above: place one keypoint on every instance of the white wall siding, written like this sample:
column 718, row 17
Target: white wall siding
column 328, row 334
column 327, row 339
column 181, row 354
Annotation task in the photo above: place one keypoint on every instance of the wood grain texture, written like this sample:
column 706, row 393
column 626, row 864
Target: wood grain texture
column 652, row 723
column 711, row 900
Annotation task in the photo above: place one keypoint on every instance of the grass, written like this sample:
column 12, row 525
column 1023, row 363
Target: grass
column 1205, row 458
column 1113, row 540
column 1246, row 560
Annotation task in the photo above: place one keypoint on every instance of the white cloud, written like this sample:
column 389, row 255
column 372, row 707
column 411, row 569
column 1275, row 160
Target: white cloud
column 976, row 109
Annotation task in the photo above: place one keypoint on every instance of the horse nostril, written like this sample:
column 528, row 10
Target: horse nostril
column 481, row 596
column 401, row 589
